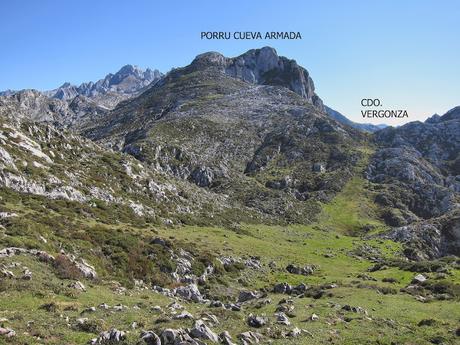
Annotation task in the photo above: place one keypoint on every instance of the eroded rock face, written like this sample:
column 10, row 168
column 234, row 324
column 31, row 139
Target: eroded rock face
column 418, row 166
column 430, row 239
column 426, row 192
column 202, row 176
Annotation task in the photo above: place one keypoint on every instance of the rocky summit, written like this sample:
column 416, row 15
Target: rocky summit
column 112, row 89
column 223, row 202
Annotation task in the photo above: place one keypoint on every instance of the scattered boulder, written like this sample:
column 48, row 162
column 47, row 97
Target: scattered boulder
column 189, row 292
column 4, row 215
column 282, row 319
column 233, row 306
column 109, row 337
column 7, row 332
column 329, row 286
column 250, row 338
column 306, row 270
column 354, row 309
column 119, row 307
column 160, row 241
column 172, row 306
column 284, row 288
column 294, row 333
column 216, row 304
column 299, row 289
column 225, row 338
column 418, row 279
column 89, row 310
column 150, row 338
column 40, row 254
column 11, row 251
column 172, row 336
column 245, row 296
column 7, row 274
column 87, row 270
column 200, row 330
column 263, row 302
column 184, row 315
column 77, row 285
column 314, row 317
column 156, row 308
column 377, row 267
column 27, row 274
column 210, row 318
column 253, row 262
column 284, row 308
column 256, row 321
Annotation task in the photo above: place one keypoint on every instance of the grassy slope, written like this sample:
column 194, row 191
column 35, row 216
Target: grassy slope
column 392, row 317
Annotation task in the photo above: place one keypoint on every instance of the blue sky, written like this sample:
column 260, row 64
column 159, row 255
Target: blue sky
column 406, row 53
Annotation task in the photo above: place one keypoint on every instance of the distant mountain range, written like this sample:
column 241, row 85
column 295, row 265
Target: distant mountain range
column 106, row 92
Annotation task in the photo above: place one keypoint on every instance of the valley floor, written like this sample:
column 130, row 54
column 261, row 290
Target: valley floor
column 44, row 310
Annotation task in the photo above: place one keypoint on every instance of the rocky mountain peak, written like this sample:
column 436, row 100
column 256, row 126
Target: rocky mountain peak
column 453, row 114
column 127, row 71
column 209, row 59
column 258, row 61
column 263, row 66
column 110, row 90
column 433, row 119
column 66, row 84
